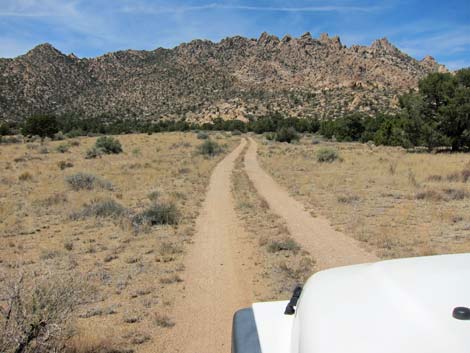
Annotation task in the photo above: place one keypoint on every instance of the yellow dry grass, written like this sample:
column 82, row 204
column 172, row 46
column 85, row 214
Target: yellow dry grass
column 135, row 275
column 390, row 200
column 280, row 261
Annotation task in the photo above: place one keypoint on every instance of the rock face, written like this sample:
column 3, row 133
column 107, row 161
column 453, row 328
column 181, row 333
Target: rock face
column 235, row 78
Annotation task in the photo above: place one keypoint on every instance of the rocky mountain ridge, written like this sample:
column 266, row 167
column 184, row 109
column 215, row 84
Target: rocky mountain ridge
column 235, row 78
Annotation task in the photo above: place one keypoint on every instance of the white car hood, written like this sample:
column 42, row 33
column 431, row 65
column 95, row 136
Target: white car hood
column 396, row 306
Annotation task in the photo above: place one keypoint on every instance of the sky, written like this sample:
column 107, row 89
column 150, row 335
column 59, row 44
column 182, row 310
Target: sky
column 91, row 28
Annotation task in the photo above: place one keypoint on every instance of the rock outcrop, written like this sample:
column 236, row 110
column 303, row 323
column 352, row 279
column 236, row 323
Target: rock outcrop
column 201, row 80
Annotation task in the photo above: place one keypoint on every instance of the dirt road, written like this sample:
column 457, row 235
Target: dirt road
column 328, row 247
column 219, row 267
column 218, row 277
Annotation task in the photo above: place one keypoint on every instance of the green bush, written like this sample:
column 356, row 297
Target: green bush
column 287, row 134
column 75, row 133
column 108, row 145
column 40, row 125
column 210, row 148
column 4, row 130
column 326, row 154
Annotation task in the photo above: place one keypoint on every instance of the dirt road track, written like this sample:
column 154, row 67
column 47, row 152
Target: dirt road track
column 218, row 275
column 328, row 247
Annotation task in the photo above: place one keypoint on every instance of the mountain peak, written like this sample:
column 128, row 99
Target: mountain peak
column 384, row 44
column 265, row 38
column 431, row 64
column 44, row 49
column 331, row 41
column 306, row 36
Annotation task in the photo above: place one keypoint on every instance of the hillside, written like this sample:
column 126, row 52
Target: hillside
column 235, row 78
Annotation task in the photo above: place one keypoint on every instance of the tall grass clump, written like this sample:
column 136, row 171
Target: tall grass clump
column 327, row 155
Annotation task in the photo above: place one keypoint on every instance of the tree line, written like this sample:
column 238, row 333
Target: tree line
column 436, row 115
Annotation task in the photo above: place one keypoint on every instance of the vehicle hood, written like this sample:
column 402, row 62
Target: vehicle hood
column 392, row 306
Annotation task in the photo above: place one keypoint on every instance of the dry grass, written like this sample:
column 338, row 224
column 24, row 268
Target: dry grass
column 135, row 274
column 279, row 259
column 397, row 204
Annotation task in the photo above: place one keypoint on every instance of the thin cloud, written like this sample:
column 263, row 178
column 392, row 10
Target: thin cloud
column 442, row 43
column 214, row 6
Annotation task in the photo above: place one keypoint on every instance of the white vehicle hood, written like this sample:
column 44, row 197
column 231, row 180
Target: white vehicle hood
column 396, row 306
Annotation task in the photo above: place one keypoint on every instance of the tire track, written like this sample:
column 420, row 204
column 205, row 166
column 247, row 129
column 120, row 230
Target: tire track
column 218, row 280
column 327, row 246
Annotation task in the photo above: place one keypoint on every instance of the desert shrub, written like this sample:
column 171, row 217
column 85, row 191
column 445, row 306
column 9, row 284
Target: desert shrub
column 455, row 194
column 158, row 213
column 287, row 134
column 48, row 254
column 25, row 176
column 59, row 136
column 63, row 148
column 43, row 150
column 108, row 145
column 210, row 148
column 429, row 195
column 327, row 154
column 163, row 321
column 93, row 152
column 37, row 313
column 53, row 200
column 171, row 279
column 32, row 146
column 236, row 133
column 84, row 181
column 64, row 165
column 270, row 136
column 466, row 175
column 434, row 177
column 100, row 208
column 154, row 195
column 75, row 133
column 348, row 198
column 315, row 140
column 462, row 176
column 283, row 245
column 74, row 143
column 68, row 245
column 168, row 248
column 201, row 135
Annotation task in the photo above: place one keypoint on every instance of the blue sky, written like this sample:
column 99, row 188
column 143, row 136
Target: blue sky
column 90, row 28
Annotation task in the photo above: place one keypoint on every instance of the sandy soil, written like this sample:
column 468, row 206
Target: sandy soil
column 218, row 279
column 328, row 247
